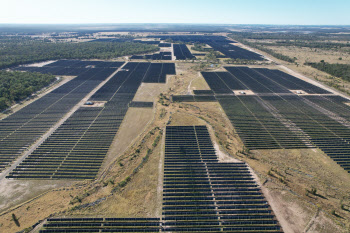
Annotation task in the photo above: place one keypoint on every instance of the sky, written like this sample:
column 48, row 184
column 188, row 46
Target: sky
column 291, row 12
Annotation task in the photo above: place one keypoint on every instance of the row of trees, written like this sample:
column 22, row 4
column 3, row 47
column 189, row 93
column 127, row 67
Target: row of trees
column 337, row 70
column 28, row 51
column 308, row 44
column 16, row 86
column 301, row 36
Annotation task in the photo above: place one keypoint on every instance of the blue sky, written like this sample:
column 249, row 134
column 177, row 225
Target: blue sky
column 302, row 12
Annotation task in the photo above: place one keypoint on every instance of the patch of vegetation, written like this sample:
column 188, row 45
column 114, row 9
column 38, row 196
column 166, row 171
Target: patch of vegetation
column 308, row 44
column 163, row 100
column 294, row 36
column 156, row 141
column 240, row 61
column 124, row 182
column 339, row 70
column 212, row 57
column 16, row 86
column 80, row 198
column 23, row 51
column 162, row 113
column 201, row 47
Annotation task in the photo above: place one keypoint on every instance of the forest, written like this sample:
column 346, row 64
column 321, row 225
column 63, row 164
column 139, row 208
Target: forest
column 337, row 70
column 22, row 51
column 16, row 86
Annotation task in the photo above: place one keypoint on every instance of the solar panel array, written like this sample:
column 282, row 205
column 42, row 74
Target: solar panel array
column 70, row 67
column 78, row 147
column 154, row 42
column 101, row 225
column 274, row 117
column 156, row 56
column 201, row 194
column 258, row 127
column 194, row 98
column 21, row 129
column 262, row 80
column 181, row 52
column 218, row 43
column 203, row 92
column 140, row 104
column 329, row 132
column 164, row 45
column 157, row 72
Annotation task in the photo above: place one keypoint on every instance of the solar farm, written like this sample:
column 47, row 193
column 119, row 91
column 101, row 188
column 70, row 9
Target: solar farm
column 77, row 148
column 158, row 142
column 218, row 43
column 181, row 52
column 200, row 194
column 23, row 128
column 274, row 117
column 156, row 56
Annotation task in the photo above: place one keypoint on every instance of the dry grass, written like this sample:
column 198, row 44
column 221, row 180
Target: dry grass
column 133, row 125
column 148, row 91
column 313, row 55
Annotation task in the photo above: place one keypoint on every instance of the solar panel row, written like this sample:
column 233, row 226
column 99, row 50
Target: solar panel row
column 77, row 148
column 218, row 43
column 274, row 117
column 181, row 52
column 21, row 129
column 156, row 56
column 201, row 194
column 102, row 225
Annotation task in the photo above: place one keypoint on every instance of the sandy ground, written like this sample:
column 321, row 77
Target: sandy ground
column 41, row 64
column 149, row 91
column 160, row 177
column 14, row 192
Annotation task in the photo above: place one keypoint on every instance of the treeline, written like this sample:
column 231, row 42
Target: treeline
column 307, row 44
column 291, row 36
column 338, row 70
column 16, row 86
column 28, row 51
column 274, row 36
